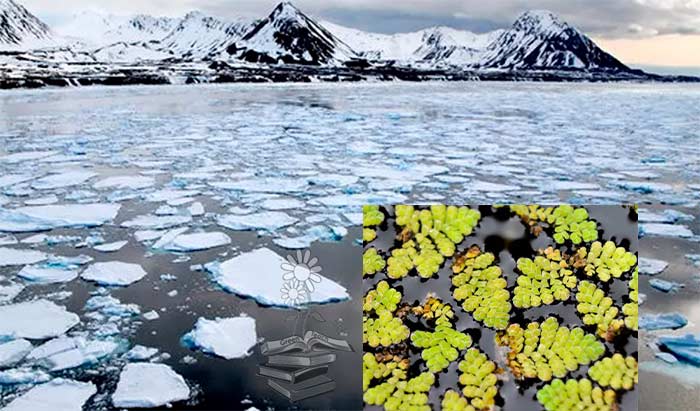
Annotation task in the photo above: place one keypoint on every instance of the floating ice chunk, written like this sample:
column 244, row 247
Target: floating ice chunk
column 145, row 385
column 666, row 357
column 166, row 210
column 263, row 185
column 11, row 256
column 651, row 266
column 282, row 204
column 685, row 348
column 644, row 187
column 111, row 247
column 168, row 194
column 35, row 320
column 151, row 222
column 125, row 182
column 114, row 273
column 111, row 307
column 569, row 185
column 358, row 200
column 196, row 209
column 667, row 216
column 56, row 395
column 47, row 275
column 259, row 275
column 354, row 218
column 197, row 241
column 10, row 291
column 172, row 293
column 64, row 353
column 665, row 286
column 151, row 315
column 12, row 179
column 23, row 376
column 13, row 352
column 141, row 353
column 168, row 237
column 68, row 262
column 51, row 199
column 168, row 277
column 40, row 218
column 26, row 156
column 666, row 230
column 7, row 239
column 226, row 337
column 662, row 321
column 148, row 235
column 269, row 221
column 66, row 179
column 490, row 187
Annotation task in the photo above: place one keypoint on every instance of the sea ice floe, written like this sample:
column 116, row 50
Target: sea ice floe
column 195, row 242
column 651, row 266
column 65, row 179
column 46, row 200
column 11, row 256
column 56, row 395
column 23, row 376
column 196, row 209
column 113, row 273
column 225, row 337
column 259, row 274
column 41, row 218
column 665, row 286
column 268, row 221
column 35, row 320
column 686, row 348
column 111, row 307
column 22, row 156
column 141, row 353
column 47, row 274
column 111, row 247
column 12, row 179
column 70, row 352
column 669, row 216
column 125, row 182
column 169, row 194
column 14, row 351
column 146, row 385
column 151, row 315
column 282, row 204
column 665, row 230
column 662, row 321
column 10, row 291
column 153, row 222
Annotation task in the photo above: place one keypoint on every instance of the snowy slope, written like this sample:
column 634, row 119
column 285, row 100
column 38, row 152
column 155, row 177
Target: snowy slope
column 198, row 35
column 129, row 53
column 539, row 39
column 92, row 29
column 21, row 30
column 288, row 35
column 455, row 47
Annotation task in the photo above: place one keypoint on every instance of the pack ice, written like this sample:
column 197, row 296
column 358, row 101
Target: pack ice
column 226, row 337
column 145, row 385
column 47, row 275
column 268, row 221
column 685, row 348
column 259, row 275
column 651, row 266
column 13, row 352
column 11, row 256
column 42, row 218
column 69, row 352
column 113, row 273
column 662, row 321
column 38, row 319
column 56, row 395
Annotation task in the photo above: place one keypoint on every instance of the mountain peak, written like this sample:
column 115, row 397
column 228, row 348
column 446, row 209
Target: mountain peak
column 539, row 21
column 285, row 10
column 20, row 28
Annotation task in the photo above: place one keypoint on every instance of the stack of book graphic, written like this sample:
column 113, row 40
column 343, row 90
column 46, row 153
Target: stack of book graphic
column 297, row 367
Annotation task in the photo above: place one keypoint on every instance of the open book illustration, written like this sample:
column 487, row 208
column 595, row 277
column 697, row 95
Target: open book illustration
column 312, row 340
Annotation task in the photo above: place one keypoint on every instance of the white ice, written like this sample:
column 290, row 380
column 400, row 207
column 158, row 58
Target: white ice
column 56, row 395
column 651, row 266
column 14, row 351
column 226, row 337
column 10, row 291
column 269, row 221
column 153, row 222
column 141, row 353
column 40, row 218
column 195, row 242
column 65, row 179
column 47, row 274
column 259, row 275
column 666, row 230
column 23, row 376
column 111, row 247
column 11, row 256
column 125, row 182
column 70, row 352
column 114, row 273
column 38, row 319
column 145, row 385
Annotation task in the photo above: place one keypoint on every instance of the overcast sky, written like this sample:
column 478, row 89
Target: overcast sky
column 650, row 32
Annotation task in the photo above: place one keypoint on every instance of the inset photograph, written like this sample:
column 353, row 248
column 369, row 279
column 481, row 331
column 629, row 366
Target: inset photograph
column 513, row 308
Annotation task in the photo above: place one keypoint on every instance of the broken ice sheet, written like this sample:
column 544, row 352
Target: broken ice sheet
column 125, row 182
column 114, row 273
column 665, row 230
column 64, row 179
column 180, row 242
column 111, row 247
column 259, row 274
column 665, row 286
column 70, row 352
column 11, row 256
column 41, row 218
column 651, row 266
column 14, row 351
column 153, row 222
column 47, row 274
column 58, row 394
column 268, row 221
column 686, row 347
column 662, row 321
column 145, row 385
column 38, row 319
column 225, row 337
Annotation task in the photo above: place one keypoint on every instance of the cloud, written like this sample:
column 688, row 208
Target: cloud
column 602, row 18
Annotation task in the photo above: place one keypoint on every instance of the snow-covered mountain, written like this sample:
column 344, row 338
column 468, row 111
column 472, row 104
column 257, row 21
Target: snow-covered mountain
column 540, row 40
column 198, row 35
column 287, row 35
column 20, row 29
column 92, row 29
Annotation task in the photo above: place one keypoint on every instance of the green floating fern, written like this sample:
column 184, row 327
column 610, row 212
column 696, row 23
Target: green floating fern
column 532, row 213
column 572, row 224
column 546, row 350
column 371, row 217
column 616, row 372
column 372, row 262
column 441, row 346
column 606, row 261
column 479, row 379
column 375, row 370
column 383, row 331
column 420, row 254
column 382, row 298
column 434, row 309
column 481, row 288
column 631, row 309
column 544, row 280
column 408, row 395
column 445, row 225
column 598, row 309
column 452, row 401
column 368, row 235
column 576, row 395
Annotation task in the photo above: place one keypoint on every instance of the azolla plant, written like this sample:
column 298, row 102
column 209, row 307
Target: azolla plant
column 455, row 313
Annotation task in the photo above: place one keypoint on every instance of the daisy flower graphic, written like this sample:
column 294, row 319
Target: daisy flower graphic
column 302, row 269
column 294, row 293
